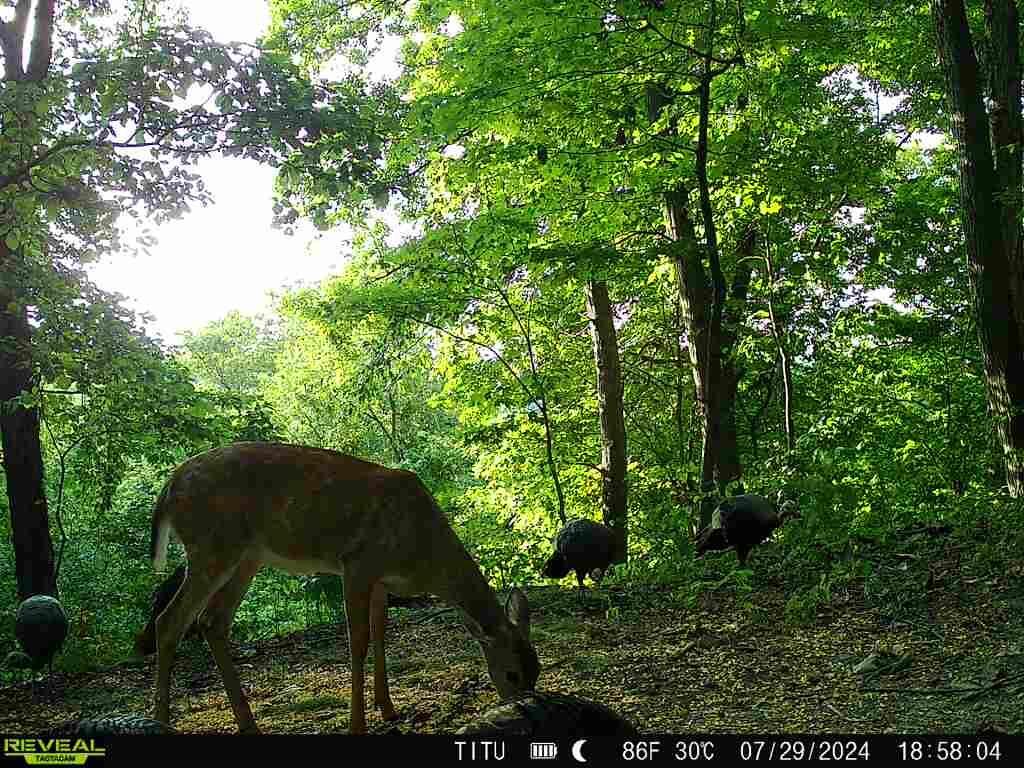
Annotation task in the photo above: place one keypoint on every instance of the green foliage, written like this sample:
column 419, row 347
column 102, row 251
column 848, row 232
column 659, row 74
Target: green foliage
column 507, row 556
column 803, row 607
column 519, row 143
column 130, row 100
column 234, row 354
column 536, row 170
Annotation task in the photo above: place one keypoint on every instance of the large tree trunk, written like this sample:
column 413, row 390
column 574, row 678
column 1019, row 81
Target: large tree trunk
column 1005, row 125
column 23, row 456
column 613, row 424
column 24, row 62
column 990, row 204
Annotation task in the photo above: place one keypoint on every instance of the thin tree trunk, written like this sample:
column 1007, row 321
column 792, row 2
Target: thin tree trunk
column 541, row 401
column 694, row 304
column 704, row 299
column 990, row 206
column 683, row 444
column 778, row 334
column 613, row 424
column 23, row 453
column 702, row 319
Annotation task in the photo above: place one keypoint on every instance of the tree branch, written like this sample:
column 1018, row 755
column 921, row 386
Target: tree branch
column 22, row 172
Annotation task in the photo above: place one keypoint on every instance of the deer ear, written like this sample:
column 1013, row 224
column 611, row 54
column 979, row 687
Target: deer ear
column 518, row 609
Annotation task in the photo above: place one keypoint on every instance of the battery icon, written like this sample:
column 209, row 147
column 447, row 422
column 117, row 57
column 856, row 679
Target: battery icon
column 543, row 750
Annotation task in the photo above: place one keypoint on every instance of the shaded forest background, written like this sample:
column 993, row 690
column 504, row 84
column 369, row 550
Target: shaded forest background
column 653, row 253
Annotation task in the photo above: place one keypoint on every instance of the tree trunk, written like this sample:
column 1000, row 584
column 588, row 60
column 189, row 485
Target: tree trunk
column 990, row 205
column 695, row 306
column 1005, row 125
column 716, row 383
column 613, row 424
column 694, row 303
column 728, row 466
column 24, row 62
column 23, row 455
column 702, row 299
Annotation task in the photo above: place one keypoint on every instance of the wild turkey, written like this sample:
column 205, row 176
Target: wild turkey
column 554, row 715
column 742, row 522
column 111, row 725
column 145, row 641
column 583, row 546
column 41, row 627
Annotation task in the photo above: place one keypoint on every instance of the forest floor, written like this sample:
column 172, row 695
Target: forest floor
column 940, row 652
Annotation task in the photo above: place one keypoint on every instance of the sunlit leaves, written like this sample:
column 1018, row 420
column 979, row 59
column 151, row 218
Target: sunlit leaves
column 518, row 138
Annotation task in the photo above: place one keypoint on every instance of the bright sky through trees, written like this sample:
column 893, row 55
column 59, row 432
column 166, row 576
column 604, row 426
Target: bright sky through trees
column 224, row 256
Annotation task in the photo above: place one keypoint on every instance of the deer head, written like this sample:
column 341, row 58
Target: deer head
column 511, row 660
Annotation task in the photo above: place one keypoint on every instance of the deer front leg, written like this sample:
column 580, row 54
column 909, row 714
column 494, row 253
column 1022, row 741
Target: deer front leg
column 378, row 630
column 357, row 609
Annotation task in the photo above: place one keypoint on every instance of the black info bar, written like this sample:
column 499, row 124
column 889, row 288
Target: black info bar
column 414, row 750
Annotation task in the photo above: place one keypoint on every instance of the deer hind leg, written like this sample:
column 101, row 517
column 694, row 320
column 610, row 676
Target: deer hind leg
column 378, row 630
column 357, row 612
column 183, row 609
column 216, row 628
column 742, row 553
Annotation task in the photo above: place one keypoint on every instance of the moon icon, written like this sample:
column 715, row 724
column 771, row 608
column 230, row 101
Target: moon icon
column 577, row 750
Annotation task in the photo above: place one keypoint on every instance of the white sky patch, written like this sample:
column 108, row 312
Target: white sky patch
column 221, row 257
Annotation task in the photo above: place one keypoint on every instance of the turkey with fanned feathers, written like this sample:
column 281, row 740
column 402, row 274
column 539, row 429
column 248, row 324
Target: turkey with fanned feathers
column 742, row 522
column 550, row 715
column 583, row 546
column 41, row 627
column 111, row 725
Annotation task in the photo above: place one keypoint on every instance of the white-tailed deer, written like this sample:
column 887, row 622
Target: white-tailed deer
column 243, row 506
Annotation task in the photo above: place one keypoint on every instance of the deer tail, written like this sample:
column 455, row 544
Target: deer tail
column 160, row 532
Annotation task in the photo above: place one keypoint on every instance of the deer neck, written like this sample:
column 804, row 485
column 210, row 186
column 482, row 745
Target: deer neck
column 466, row 588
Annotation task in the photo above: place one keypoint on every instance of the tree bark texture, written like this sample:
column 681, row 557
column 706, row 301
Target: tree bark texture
column 24, row 62
column 22, row 450
column 990, row 205
column 613, row 423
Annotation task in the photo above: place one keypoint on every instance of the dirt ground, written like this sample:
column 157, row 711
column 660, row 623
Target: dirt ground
column 727, row 662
